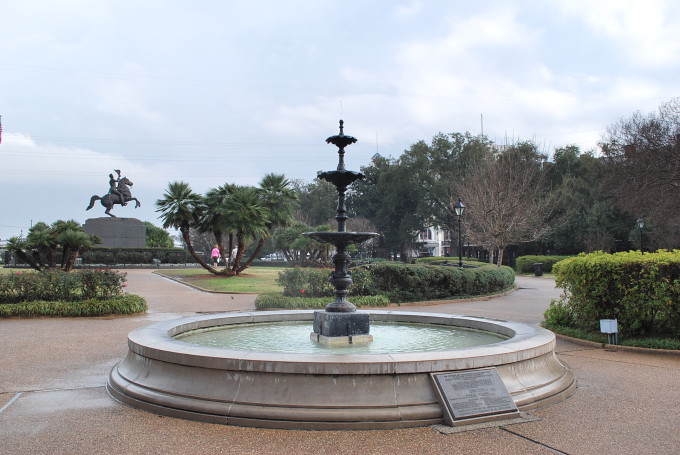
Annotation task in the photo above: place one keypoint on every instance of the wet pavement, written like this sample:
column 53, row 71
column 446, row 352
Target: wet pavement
column 53, row 399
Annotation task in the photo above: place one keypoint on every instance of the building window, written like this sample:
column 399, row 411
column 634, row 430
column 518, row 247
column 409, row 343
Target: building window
column 425, row 235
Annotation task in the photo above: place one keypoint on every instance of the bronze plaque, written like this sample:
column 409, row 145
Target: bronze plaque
column 472, row 393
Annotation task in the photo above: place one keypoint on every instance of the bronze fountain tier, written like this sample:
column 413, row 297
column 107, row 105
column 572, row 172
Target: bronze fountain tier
column 339, row 322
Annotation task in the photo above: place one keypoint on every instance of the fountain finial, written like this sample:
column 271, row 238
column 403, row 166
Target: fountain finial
column 341, row 141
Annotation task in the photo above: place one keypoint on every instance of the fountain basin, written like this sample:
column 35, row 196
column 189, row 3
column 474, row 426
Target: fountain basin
column 325, row 391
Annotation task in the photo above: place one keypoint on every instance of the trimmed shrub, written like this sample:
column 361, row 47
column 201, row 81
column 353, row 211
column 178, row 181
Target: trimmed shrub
column 313, row 282
column 642, row 291
column 120, row 304
column 112, row 256
column 414, row 282
column 436, row 260
column 259, row 263
column 364, row 261
column 57, row 285
column 305, row 282
column 525, row 264
column 401, row 282
column 276, row 300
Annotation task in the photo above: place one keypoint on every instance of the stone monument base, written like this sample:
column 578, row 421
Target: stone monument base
column 341, row 328
column 117, row 232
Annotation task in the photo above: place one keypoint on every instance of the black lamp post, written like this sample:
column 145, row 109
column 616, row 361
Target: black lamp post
column 459, row 208
column 640, row 225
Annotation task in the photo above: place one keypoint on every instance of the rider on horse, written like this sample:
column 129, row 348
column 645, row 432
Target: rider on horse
column 113, row 187
column 119, row 187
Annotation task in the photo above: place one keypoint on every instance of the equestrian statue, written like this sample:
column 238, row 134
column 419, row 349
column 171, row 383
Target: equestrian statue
column 119, row 193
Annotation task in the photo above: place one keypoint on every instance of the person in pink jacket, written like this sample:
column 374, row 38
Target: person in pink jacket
column 215, row 256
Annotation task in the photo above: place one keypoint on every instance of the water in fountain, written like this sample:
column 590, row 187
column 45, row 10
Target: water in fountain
column 390, row 337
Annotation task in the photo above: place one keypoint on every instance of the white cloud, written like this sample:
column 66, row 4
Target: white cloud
column 647, row 33
column 406, row 11
column 129, row 97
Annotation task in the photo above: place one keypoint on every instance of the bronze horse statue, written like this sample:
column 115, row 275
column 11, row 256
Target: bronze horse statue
column 111, row 199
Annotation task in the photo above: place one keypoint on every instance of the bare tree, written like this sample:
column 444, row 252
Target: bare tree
column 643, row 156
column 506, row 200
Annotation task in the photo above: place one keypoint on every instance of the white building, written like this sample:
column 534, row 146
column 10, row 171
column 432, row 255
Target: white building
column 434, row 242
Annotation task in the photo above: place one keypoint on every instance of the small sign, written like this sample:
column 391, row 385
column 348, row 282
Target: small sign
column 472, row 394
column 609, row 326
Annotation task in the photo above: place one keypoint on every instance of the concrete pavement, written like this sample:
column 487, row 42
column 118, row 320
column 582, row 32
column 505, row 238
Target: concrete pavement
column 53, row 399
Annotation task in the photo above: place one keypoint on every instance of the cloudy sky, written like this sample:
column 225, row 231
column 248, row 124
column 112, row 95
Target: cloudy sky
column 213, row 91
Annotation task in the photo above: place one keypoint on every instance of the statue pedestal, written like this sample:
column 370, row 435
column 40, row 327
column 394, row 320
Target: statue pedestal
column 117, row 232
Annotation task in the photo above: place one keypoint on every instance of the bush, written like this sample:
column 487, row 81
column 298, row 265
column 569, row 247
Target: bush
column 401, row 282
column 525, row 264
column 408, row 283
column 313, row 282
column 120, row 304
column 277, row 300
column 642, row 291
column 364, row 261
column 112, row 256
column 435, row 260
column 305, row 282
column 57, row 285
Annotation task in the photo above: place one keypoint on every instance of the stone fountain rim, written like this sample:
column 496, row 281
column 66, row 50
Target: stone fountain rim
column 155, row 341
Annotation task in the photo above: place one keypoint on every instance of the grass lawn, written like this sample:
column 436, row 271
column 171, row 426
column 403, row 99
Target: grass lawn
column 6, row 271
column 252, row 280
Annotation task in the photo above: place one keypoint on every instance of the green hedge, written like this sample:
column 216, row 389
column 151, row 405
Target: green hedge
column 277, row 300
column 642, row 291
column 525, row 264
column 260, row 263
column 111, row 256
column 313, row 282
column 121, row 304
column 53, row 285
column 414, row 282
column 434, row 260
column 402, row 282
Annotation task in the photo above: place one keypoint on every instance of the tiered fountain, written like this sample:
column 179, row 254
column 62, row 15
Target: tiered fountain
column 340, row 323
column 269, row 374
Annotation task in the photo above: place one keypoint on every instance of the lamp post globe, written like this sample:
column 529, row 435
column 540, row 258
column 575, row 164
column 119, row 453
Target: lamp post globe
column 640, row 224
column 459, row 208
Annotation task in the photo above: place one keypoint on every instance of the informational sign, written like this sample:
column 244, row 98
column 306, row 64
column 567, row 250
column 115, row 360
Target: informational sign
column 472, row 394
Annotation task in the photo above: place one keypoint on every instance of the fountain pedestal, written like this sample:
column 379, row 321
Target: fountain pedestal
column 341, row 328
column 340, row 323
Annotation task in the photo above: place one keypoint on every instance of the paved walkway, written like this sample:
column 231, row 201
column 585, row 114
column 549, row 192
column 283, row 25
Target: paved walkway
column 53, row 399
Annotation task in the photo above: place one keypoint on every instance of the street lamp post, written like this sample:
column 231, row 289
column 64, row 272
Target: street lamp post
column 640, row 225
column 459, row 208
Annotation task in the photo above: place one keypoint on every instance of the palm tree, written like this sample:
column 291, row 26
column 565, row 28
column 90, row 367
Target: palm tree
column 216, row 222
column 250, row 218
column 41, row 240
column 182, row 209
column 278, row 196
column 20, row 248
column 74, row 243
column 60, row 227
column 39, row 250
